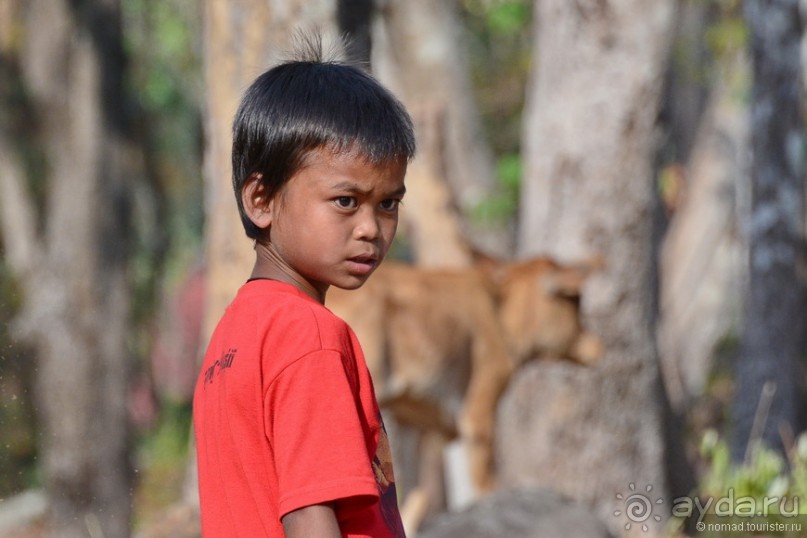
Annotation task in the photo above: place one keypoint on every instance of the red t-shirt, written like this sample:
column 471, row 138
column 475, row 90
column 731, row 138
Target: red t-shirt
column 285, row 417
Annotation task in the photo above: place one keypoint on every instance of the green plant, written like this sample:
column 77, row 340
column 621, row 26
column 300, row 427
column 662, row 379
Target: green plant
column 763, row 493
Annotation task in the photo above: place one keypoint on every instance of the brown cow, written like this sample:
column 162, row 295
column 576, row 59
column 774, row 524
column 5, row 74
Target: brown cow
column 442, row 345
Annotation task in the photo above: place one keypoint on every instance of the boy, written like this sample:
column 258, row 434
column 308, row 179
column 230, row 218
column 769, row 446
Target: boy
column 289, row 435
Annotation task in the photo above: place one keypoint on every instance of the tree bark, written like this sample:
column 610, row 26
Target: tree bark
column 355, row 20
column 687, row 88
column 418, row 53
column 70, row 255
column 589, row 143
column 769, row 387
column 702, row 256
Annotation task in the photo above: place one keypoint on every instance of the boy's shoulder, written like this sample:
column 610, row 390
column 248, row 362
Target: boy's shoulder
column 282, row 311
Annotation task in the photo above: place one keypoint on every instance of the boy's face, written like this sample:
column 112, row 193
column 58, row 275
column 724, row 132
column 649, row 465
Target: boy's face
column 334, row 220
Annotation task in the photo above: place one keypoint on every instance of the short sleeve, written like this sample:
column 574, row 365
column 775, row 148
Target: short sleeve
column 318, row 437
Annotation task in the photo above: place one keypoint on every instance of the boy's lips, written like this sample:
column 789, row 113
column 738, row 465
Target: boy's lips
column 363, row 264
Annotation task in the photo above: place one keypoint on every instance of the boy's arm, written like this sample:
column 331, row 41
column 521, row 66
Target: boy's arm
column 318, row 520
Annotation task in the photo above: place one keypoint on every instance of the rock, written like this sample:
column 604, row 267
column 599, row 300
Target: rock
column 533, row 513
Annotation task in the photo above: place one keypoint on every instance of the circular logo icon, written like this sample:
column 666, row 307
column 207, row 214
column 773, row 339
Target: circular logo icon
column 638, row 507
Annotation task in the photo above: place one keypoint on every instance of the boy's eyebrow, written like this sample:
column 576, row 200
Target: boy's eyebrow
column 399, row 192
column 352, row 188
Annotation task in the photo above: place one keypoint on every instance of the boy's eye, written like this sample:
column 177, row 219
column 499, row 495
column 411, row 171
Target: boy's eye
column 345, row 202
column 390, row 204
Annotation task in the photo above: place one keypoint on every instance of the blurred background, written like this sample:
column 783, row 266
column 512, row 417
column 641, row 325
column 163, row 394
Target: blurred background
column 618, row 183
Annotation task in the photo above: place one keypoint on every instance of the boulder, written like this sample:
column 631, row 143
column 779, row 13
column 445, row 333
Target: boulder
column 527, row 513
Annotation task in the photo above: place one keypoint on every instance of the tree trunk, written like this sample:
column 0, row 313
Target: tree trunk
column 769, row 388
column 71, row 259
column 687, row 88
column 355, row 19
column 418, row 53
column 589, row 144
column 701, row 262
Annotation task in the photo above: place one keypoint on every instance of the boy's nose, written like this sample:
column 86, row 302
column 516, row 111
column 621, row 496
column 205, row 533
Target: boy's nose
column 367, row 226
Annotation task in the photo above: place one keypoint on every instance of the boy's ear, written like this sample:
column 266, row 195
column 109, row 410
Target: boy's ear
column 257, row 204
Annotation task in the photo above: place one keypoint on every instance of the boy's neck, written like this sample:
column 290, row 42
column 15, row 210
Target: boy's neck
column 269, row 265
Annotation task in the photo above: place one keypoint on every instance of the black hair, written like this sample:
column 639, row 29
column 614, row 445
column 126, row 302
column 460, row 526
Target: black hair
column 307, row 104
